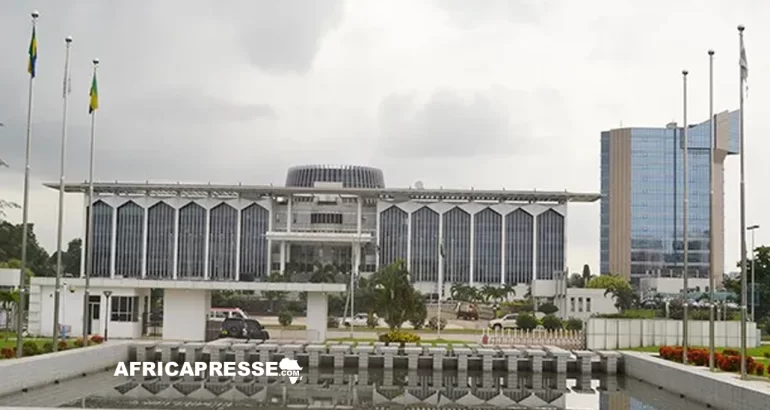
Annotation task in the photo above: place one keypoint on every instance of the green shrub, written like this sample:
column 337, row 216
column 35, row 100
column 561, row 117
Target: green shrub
column 548, row 308
column 285, row 318
column 30, row 348
column 399, row 337
column 433, row 323
column 552, row 322
column 526, row 322
column 574, row 324
column 332, row 322
column 47, row 347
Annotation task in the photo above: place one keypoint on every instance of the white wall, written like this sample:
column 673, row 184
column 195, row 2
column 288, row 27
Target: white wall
column 41, row 312
column 9, row 278
column 587, row 302
column 185, row 313
column 631, row 333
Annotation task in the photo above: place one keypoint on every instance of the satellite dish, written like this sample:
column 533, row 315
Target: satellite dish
column 419, row 185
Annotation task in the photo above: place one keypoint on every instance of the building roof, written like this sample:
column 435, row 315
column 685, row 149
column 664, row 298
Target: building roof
column 260, row 191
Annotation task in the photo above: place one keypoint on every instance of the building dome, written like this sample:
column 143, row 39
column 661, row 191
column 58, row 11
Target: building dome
column 351, row 176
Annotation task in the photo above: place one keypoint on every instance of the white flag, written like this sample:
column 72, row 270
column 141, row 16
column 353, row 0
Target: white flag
column 744, row 63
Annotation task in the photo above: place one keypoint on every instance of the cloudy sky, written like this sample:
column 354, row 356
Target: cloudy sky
column 484, row 94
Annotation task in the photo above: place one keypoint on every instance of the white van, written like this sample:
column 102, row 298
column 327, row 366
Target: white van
column 220, row 314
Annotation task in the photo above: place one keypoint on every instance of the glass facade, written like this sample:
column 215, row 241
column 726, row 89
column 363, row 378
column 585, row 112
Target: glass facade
column 129, row 240
column 160, row 241
column 457, row 245
column 656, row 202
column 192, row 241
column 223, row 245
column 102, row 249
column 550, row 244
column 255, row 221
column 425, row 245
column 394, row 235
column 519, row 250
column 487, row 246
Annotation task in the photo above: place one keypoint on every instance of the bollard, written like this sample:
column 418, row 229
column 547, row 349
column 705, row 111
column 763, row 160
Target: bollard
column 378, row 347
column 487, row 355
column 314, row 353
column 511, row 359
column 266, row 351
column 169, row 351
column 145, row 351
column 388, row 353
column 462, row 354
column 560, row 356
column 609, row 361
column 363, row 352
column 438, row 354
column 289, row 351
column 536, row 357
column 242, row 353
column 192, row 353
column 338, row 352
column 412, row 356
column 584, row 359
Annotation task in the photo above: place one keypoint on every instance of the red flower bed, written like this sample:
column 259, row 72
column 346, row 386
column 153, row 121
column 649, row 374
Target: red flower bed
column 729, row 360
column 7, row 353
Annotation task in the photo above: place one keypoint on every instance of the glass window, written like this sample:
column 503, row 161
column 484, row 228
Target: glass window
column 124, row 309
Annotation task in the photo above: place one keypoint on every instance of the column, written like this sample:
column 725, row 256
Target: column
column 271, row 216
column 289, row 213
column 238, row 242
column 113, row 241
column 502, row 247
column 377, row 239
column 534, row 246
column 441, row 278
column 175, row 269
column 145, row 237
column 564, row 236
column 86, row 239
column 317, row 312
column 283, row 257
column 408, row 241
column 473, row 241
column 286, row 251
column 357, row 251
column 206, row 250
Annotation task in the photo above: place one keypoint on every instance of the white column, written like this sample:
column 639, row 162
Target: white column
column 377, row 239
column 289, row 213
column 440, row 259
column 409, row 241
column 564, row 233
column 113, row 240
column 502, row 250
column 206, row 243
column 283, row 257
column 238, row 242
column 85, row 235
column 317, row 316
column 534, row 247
column 145, row 237
column 271, row 216
column 175, row 268
column 473, row 252
column 357, row 251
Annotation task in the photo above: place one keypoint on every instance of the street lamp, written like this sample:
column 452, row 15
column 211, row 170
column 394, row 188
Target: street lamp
column 751, row 229
column 107, row 294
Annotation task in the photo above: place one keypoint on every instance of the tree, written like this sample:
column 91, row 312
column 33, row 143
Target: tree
column 10, row 248
column 70, row 258
column 273, row 296
column 393, row 294
column 625, row 298
column 762, row 279
column 419, row 313
column 576, row 281
column 8, row 301
column 586, row 273
column 323, row 274
column 605, row 282
column 548, row 308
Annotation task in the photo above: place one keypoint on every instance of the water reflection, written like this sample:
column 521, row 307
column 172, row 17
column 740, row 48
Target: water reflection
column 387, row 389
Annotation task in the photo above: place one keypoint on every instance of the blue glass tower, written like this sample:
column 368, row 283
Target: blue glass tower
column 642, row 203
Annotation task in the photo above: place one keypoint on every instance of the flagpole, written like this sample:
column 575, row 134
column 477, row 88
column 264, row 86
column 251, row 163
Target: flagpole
column 60, row 233
column 440, row 290
column 25, row 210
column 744, row 73
column 685, row 236
column 712, row 268
column 90, row 233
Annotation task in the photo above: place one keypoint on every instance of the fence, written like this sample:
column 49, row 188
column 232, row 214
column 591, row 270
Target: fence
column 566, row 339
column 632, row 333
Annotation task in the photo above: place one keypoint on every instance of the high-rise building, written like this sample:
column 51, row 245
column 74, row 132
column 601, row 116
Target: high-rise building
column 642, row 198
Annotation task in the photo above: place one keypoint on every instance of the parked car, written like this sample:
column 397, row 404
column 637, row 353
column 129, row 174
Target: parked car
column 506, row 322
column 220, row 314
column 360, row 320
column 240, row 328
column 467, row 311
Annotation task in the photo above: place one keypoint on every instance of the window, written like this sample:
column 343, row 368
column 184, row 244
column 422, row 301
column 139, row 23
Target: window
column 325, row 218
column 588, row 304
column 580, row 304
column 571, row 304
column 125, row 309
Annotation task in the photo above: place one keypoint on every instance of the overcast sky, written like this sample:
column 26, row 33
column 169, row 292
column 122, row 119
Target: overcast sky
column 453, row 93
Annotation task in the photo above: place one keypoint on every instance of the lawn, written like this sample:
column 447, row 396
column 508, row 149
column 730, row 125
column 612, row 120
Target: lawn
column 8, row 339
column 753, row 352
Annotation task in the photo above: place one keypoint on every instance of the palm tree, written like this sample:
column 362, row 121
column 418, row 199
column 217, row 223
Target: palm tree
column 323, row 274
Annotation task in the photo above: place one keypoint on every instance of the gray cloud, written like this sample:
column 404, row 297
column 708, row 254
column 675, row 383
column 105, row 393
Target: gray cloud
column 450, row 124
column 473, row 13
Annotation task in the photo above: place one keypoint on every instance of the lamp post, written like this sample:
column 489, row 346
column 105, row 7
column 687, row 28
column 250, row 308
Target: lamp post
column 751, row 229
column 107, row 294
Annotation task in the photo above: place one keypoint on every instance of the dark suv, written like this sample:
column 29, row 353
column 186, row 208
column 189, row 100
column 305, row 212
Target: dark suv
column 240, row 328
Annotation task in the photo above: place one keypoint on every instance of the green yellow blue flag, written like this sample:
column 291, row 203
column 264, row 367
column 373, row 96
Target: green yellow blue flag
column 94, row 104
column 32, row 63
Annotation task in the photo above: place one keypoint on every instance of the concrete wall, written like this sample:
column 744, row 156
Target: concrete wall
column 41, row 310
column 36, row 371
column 583, row 303
column 185, row 313
column 720, row 391
column 632, row 333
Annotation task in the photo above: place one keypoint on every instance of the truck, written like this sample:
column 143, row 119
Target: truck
column 467, row 311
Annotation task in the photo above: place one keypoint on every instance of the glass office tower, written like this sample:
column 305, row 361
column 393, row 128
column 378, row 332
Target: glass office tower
column 642, row 202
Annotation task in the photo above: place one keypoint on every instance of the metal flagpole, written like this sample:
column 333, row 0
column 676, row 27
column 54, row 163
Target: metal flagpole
column 712, row 268
column 744, row 75
column 685, row 236
column 440, row 290
column 753, row 266
column 90, row 233
column 25, row 207
column 60, row 233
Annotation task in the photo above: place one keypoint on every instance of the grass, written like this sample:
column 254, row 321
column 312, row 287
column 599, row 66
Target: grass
column 369, row 341
column 384, row 329
column 11, row 340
